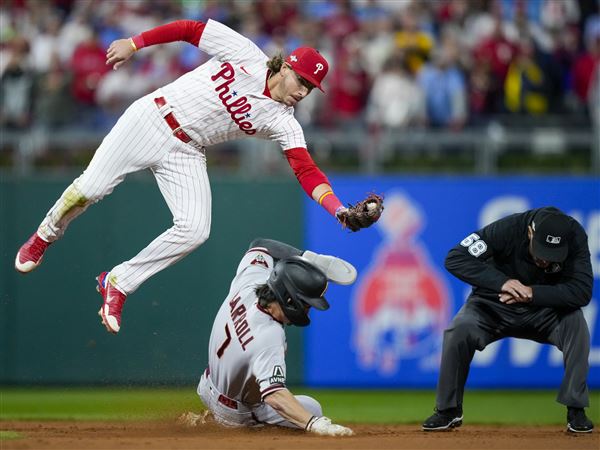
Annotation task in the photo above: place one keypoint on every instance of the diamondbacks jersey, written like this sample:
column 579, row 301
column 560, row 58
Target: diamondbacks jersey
column 246, row 353
column 224, row 98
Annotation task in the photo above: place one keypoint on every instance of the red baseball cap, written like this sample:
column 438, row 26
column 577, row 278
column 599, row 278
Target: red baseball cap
column 309, row 64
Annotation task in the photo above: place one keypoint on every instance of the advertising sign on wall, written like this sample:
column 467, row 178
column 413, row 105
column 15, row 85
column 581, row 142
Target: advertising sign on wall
column 387, row 328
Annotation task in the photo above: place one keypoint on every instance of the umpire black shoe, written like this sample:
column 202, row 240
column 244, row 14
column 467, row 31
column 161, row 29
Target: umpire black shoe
column 577, row 421
column 444, row 419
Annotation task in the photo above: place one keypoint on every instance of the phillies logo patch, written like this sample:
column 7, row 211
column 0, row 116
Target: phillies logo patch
column 239, row 109
column 319, row 67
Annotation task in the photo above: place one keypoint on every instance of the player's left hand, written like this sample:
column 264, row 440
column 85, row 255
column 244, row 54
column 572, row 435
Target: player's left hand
column 118, row 52
column 362, row 214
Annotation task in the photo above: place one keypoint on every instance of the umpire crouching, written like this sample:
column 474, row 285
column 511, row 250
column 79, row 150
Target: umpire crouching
column 531, row 273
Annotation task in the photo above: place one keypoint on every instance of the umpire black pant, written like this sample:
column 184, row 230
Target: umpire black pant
column 481, row 322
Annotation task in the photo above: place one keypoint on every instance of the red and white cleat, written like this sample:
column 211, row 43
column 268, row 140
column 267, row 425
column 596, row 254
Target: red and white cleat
column 110, row 312
column 31, row 253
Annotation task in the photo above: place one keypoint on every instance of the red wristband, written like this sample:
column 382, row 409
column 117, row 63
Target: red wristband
column 330, row 202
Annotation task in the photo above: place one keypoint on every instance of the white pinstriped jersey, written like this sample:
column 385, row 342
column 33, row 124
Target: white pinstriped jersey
column 223, row 99
column 246, row 353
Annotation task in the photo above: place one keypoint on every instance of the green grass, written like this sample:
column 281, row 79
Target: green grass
column 96, row 404
column 367, row 406
column 6, row 435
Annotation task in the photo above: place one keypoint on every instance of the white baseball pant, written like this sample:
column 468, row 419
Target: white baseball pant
column 141, row 139
column 245, row 416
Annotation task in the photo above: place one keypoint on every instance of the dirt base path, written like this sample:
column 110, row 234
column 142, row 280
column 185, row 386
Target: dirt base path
column 169, row 435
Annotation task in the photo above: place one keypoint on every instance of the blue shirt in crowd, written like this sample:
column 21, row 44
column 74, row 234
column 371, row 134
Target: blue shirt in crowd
column 442, row 88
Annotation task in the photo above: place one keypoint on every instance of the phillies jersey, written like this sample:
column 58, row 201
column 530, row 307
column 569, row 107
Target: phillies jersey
column 246, row 352
column 225, row 98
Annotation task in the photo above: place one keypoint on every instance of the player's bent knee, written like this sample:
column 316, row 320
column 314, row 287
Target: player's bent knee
column 199, row 237
column 192, row 236
column 310, row 404
column 459, row 330
column 574, row 323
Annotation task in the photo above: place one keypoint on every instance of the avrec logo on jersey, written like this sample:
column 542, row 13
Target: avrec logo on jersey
column 278, row 377
column 401, row 302
column 239, row 109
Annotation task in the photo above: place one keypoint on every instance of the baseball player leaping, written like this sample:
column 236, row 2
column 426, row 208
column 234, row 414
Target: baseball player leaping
column 244, row 384
column 239, row 92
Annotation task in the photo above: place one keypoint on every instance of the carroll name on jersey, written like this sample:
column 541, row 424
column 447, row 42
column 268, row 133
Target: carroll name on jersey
column 238, row 316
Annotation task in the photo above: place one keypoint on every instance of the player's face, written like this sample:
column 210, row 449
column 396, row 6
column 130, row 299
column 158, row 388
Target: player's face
column 294, row 87
column 277, row 313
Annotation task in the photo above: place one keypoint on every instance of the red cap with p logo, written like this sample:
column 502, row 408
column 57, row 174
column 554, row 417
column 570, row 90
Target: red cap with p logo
column 309, row 64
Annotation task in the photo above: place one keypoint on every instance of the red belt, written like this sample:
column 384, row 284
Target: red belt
column 172, row 122
column 229, row 402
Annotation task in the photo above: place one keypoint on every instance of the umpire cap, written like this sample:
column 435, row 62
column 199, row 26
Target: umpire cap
column 297, row 284
column 550, row 236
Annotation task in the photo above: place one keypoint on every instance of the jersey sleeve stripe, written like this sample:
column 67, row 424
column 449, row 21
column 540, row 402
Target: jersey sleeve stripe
column 272, row 388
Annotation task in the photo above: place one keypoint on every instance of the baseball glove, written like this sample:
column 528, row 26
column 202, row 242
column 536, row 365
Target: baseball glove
column 362, row 214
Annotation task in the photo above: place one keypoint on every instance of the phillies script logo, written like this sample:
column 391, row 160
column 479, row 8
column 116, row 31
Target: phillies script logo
column 237, row 109
column 401, row 302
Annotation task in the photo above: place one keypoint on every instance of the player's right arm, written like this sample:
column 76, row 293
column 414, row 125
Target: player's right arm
column 288, row 407
column 121, row 50
column 212, row 37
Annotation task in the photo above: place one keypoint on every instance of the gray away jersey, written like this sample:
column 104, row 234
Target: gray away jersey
column 247, row 346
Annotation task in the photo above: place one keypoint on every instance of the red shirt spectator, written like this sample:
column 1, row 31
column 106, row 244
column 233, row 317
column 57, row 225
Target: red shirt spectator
column 342, row 24
column 497, row 52
column 275, row 15
column 349, row 87
column 89, row 66
column 584, row 69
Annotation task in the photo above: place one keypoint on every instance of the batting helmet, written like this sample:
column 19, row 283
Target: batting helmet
column 296, row 284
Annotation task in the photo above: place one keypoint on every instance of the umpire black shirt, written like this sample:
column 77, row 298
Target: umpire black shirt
column 499, row 251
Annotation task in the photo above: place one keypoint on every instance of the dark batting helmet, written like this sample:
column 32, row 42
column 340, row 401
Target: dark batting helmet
column 296, row 284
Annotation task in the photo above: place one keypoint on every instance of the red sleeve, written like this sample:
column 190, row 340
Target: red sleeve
column 180, row 30
column 305, row 169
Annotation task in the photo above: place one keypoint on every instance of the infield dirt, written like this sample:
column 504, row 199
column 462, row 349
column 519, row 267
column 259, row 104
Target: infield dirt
column 169, row 435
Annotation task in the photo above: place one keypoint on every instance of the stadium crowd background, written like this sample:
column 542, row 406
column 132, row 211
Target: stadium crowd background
column 395, row 64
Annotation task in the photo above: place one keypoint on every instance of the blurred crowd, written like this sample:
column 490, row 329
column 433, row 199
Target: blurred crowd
column 393, row 63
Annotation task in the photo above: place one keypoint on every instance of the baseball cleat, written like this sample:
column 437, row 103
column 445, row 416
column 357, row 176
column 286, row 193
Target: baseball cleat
column 443, row 420
column 110, row 312
column 577, row 421
column 335, row 269
column 31, row 253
